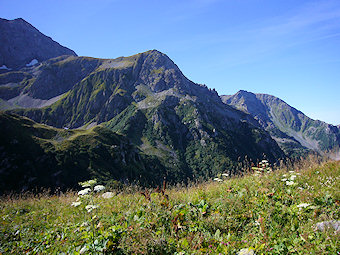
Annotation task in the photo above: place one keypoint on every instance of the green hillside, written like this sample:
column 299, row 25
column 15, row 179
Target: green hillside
column 282, row 212
column 39, row 156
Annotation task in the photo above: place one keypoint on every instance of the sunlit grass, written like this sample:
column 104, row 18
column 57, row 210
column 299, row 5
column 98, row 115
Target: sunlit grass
column 261, row 212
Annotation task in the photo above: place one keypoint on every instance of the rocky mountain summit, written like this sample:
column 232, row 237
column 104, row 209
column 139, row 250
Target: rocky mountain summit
column 292, row 130
column 23, row 45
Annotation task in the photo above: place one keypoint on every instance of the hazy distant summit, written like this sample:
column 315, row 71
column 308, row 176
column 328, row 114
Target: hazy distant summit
column 24, row 45
column 289, row 127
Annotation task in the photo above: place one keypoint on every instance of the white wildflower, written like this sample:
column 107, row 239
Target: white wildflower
column 83, row 250
column 224, row 174
column 291, row 172
column 108, row 195
column 92, row 182
column 89, row 208
column 84, row 192
column 88, row 183
column 284, row 179
column 284, row 175
column 289, row 183
column 303, row 205
column 292, row 178
column 84, row 224
column 98, row 188
column 218, row 179
column 75, row 204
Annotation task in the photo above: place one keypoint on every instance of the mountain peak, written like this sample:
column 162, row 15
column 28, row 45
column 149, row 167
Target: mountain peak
column 243, row 92
column 20, row 20
column 159, row 58
column 21, row 43
column 293, row 130
column 154, row 51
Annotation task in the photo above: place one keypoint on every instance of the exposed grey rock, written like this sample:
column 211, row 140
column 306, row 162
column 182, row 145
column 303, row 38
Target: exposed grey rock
column 23, row 45
column 325, row 225
column 246, row 251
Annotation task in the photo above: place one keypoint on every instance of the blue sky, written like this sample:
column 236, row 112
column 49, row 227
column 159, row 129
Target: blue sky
column 288, row 48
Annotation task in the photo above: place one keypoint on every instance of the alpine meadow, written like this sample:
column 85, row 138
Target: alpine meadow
column 127, row 155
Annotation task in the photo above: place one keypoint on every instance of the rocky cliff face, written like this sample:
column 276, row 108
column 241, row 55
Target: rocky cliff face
column 293, row 130
column 23, row 45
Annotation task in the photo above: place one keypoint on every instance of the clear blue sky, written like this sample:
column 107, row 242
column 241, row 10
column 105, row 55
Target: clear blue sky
column 287, row 48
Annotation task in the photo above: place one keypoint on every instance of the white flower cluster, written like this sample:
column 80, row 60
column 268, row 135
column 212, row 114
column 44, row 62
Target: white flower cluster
column 221, row 177
column 263, row 167
column 98, row 188
column 306, row 206
column 75, row 204
column 84, row 192
column 303, row 205
column 328, row 181
column 218, row 179
column 89, row 208
column 290, row 180
column 88, row 183
column 308, row 186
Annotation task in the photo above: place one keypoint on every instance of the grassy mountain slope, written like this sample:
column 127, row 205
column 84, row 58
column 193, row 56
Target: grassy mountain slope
column 39, row 156
column 294, row 131
column 261, row 212
column 37, row 86
column 146, row 98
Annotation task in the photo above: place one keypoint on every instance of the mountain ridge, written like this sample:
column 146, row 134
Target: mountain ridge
column 287, row 125
column 147, row 99
column 24, row 45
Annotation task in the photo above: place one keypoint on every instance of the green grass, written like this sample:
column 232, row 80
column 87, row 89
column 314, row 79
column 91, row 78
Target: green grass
column 258, row 212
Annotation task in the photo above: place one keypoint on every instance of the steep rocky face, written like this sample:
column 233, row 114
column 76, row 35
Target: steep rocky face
column 293, row 130
column 23, row 45
column 42, row 85
column 99, row 89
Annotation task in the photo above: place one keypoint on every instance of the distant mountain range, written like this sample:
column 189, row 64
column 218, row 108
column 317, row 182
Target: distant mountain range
column 173, row 127
column 290, row 128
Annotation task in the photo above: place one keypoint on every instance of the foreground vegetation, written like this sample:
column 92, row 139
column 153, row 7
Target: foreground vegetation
column 267, row 212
